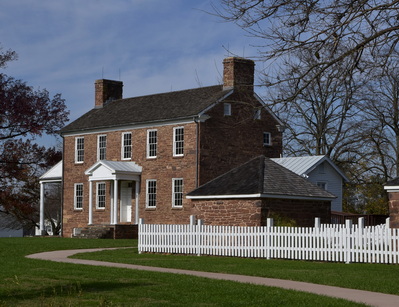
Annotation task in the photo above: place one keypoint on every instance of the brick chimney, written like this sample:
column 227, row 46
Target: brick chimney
column 106, row 90
column 238, row 73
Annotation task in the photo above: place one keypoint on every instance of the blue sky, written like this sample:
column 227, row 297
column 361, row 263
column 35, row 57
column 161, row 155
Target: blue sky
column 152, row 46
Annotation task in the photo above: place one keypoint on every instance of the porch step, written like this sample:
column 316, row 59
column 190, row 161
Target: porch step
column 106, row 232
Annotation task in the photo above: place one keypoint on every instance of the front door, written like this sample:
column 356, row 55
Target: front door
column 126, row 201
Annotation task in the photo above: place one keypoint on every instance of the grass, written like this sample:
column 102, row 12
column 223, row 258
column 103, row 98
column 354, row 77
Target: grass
column 30, row 282
column 372, row 277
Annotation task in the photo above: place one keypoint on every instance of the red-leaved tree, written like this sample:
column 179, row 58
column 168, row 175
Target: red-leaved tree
column 25, row 114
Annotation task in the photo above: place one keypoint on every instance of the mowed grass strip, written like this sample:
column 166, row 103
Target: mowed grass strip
column 382, row 278
column 30, row 282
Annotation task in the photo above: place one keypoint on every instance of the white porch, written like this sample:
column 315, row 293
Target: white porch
column 125, row 173
column 53, row 175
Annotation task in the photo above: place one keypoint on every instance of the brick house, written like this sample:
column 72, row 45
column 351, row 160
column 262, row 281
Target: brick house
column 392, row 187
column 131, row 158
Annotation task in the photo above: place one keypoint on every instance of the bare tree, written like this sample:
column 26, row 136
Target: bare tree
column 334, row 30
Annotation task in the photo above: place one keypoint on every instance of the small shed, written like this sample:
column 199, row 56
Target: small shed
column 261, row 188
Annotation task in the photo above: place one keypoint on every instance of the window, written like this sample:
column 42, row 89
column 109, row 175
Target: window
column 267, row 139
column 78, row 203
column 79, row 149
column 100, row 195
column 152, row 143
column 227, row 109
column 177, row 192
column 151, row 193
column 322, row 185
column 257, row 114
column 101, row 147
column 126, row 146
column 178, row 141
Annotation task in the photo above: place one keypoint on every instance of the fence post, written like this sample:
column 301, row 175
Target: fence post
column 348, row 240
column 317, row 223
column 141, row 222
column 388, row 222
column 192, row 220
column 199, row 230
column 269, row 223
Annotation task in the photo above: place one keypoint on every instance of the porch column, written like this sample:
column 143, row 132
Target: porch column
column 115, row 201
column 90, row 202
column 136, row 218
column 41, row 208
column 111, row 205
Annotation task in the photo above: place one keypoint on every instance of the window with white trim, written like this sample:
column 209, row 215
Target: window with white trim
column 101, row 147
column 79, row 149
column 78, row 192
column 267, row 139
column 152, row 142
column 178, row 141
column 126, row 146
column 322, row 185
column 151, row 193
column 177, row 192
column 100, row 195
column 227, row 109
column 257, row 114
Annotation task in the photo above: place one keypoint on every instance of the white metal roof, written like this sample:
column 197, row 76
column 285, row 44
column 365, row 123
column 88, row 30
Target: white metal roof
column 304, row 165
column 53, row 174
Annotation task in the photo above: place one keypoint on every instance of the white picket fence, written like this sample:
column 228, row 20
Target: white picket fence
column 337, row 243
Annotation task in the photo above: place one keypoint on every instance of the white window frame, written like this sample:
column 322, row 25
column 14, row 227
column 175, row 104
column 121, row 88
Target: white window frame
column 78, row 199
column 227, row 109
column 126, row 152
column 177, row 196
column 152, row 147
column 322, row 185
column 258, row 114
column 101, row 147
column 178, row 144
column 98, row 195
column 267, row 142
column 79, row 150
column 151, row 195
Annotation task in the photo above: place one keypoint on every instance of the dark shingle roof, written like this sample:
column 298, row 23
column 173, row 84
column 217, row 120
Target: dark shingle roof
column 261, row 176
column 151, row 108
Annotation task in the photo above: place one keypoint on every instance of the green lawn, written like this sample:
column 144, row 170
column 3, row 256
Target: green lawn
column 372, row 277
column 30, row 282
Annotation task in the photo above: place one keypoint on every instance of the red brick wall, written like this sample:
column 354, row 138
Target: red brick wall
column 229, row 141
column 394, row 209
column 163, row 169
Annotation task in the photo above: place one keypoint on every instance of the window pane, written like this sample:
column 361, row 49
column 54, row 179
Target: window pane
column 102, row 147
column 79, row 196
column 178, row 144
column 266, row 138
column 79, row 152
column 127, row 146
column 177, row 197
column 152, row 143
column 151, row 193
column 101, row 195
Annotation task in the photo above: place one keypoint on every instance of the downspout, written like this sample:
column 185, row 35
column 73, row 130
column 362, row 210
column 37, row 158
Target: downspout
column 196, row 151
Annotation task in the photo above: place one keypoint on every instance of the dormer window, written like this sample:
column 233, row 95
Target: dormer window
column 227, row 109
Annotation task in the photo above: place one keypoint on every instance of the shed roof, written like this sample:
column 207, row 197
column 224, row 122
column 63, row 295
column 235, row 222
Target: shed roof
column 260, row 177
column 304, row 165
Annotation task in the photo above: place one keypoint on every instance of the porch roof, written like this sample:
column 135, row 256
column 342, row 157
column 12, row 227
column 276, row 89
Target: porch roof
column 54, row 174
column 114, row 170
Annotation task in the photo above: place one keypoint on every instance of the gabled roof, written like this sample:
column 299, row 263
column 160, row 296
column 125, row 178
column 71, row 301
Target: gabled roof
column 151, row 108
column 392, row 185
column 54, row 174
column 304, row 165
column 260, row 177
